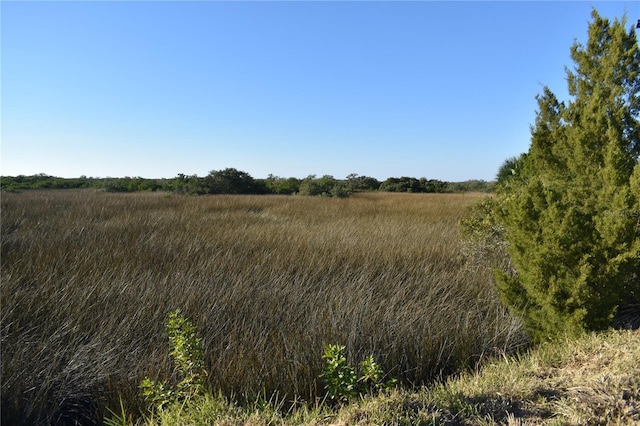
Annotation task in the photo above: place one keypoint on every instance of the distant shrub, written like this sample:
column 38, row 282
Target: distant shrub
column 411, row 184
column 232, row 181
column 326, row 186
column 358, row 183
column 280, row 185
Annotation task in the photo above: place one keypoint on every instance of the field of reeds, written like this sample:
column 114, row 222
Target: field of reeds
column 88, row 278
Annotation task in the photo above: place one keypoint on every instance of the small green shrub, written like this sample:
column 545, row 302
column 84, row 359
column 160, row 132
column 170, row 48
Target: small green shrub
column 341, row 379
column 185, row 348
column 372, row 375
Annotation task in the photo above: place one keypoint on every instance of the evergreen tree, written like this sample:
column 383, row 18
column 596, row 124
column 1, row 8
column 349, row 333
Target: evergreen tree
column 571, row 214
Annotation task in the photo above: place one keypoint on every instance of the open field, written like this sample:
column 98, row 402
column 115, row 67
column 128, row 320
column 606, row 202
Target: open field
column 88, row 279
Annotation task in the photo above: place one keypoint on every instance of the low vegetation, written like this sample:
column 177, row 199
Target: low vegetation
column 592, row 380
column 187, row 355
column 88, row 278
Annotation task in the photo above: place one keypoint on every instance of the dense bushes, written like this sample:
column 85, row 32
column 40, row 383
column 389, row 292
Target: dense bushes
column 233, row 181
column 408, row 184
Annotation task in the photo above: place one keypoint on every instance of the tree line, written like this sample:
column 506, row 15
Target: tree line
column 233, row 181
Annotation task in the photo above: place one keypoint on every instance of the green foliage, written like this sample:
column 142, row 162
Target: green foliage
column 357, row 183
column 185, row 349
column 231, row 181
column 403, row 184
column 192, row 185
column 567, row 217
column 423, row 185
column 473, row 185
column 372, row 375
column 341, row 379
column 511, row 168
column 43, row 181
column 340, row 190
column 186, row 352
column 279, row 185
column 326, row 186
column 433, row 185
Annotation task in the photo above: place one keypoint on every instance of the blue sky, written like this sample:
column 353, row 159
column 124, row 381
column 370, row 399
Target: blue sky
column 442, row 90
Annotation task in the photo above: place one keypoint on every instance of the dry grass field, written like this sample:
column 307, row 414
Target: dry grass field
column 88, row 278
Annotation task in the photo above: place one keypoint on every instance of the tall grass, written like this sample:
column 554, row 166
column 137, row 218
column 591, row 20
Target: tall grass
column 89, row 277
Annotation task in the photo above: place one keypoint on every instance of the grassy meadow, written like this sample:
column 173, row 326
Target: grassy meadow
column 88, row 278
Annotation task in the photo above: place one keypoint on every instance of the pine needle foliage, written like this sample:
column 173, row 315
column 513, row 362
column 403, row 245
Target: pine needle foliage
column 571, row 214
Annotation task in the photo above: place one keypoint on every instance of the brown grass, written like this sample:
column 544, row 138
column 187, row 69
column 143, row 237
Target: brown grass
column 89, row 277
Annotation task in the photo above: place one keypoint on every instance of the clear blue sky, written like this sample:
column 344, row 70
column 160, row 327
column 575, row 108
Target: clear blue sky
column 442, row 90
